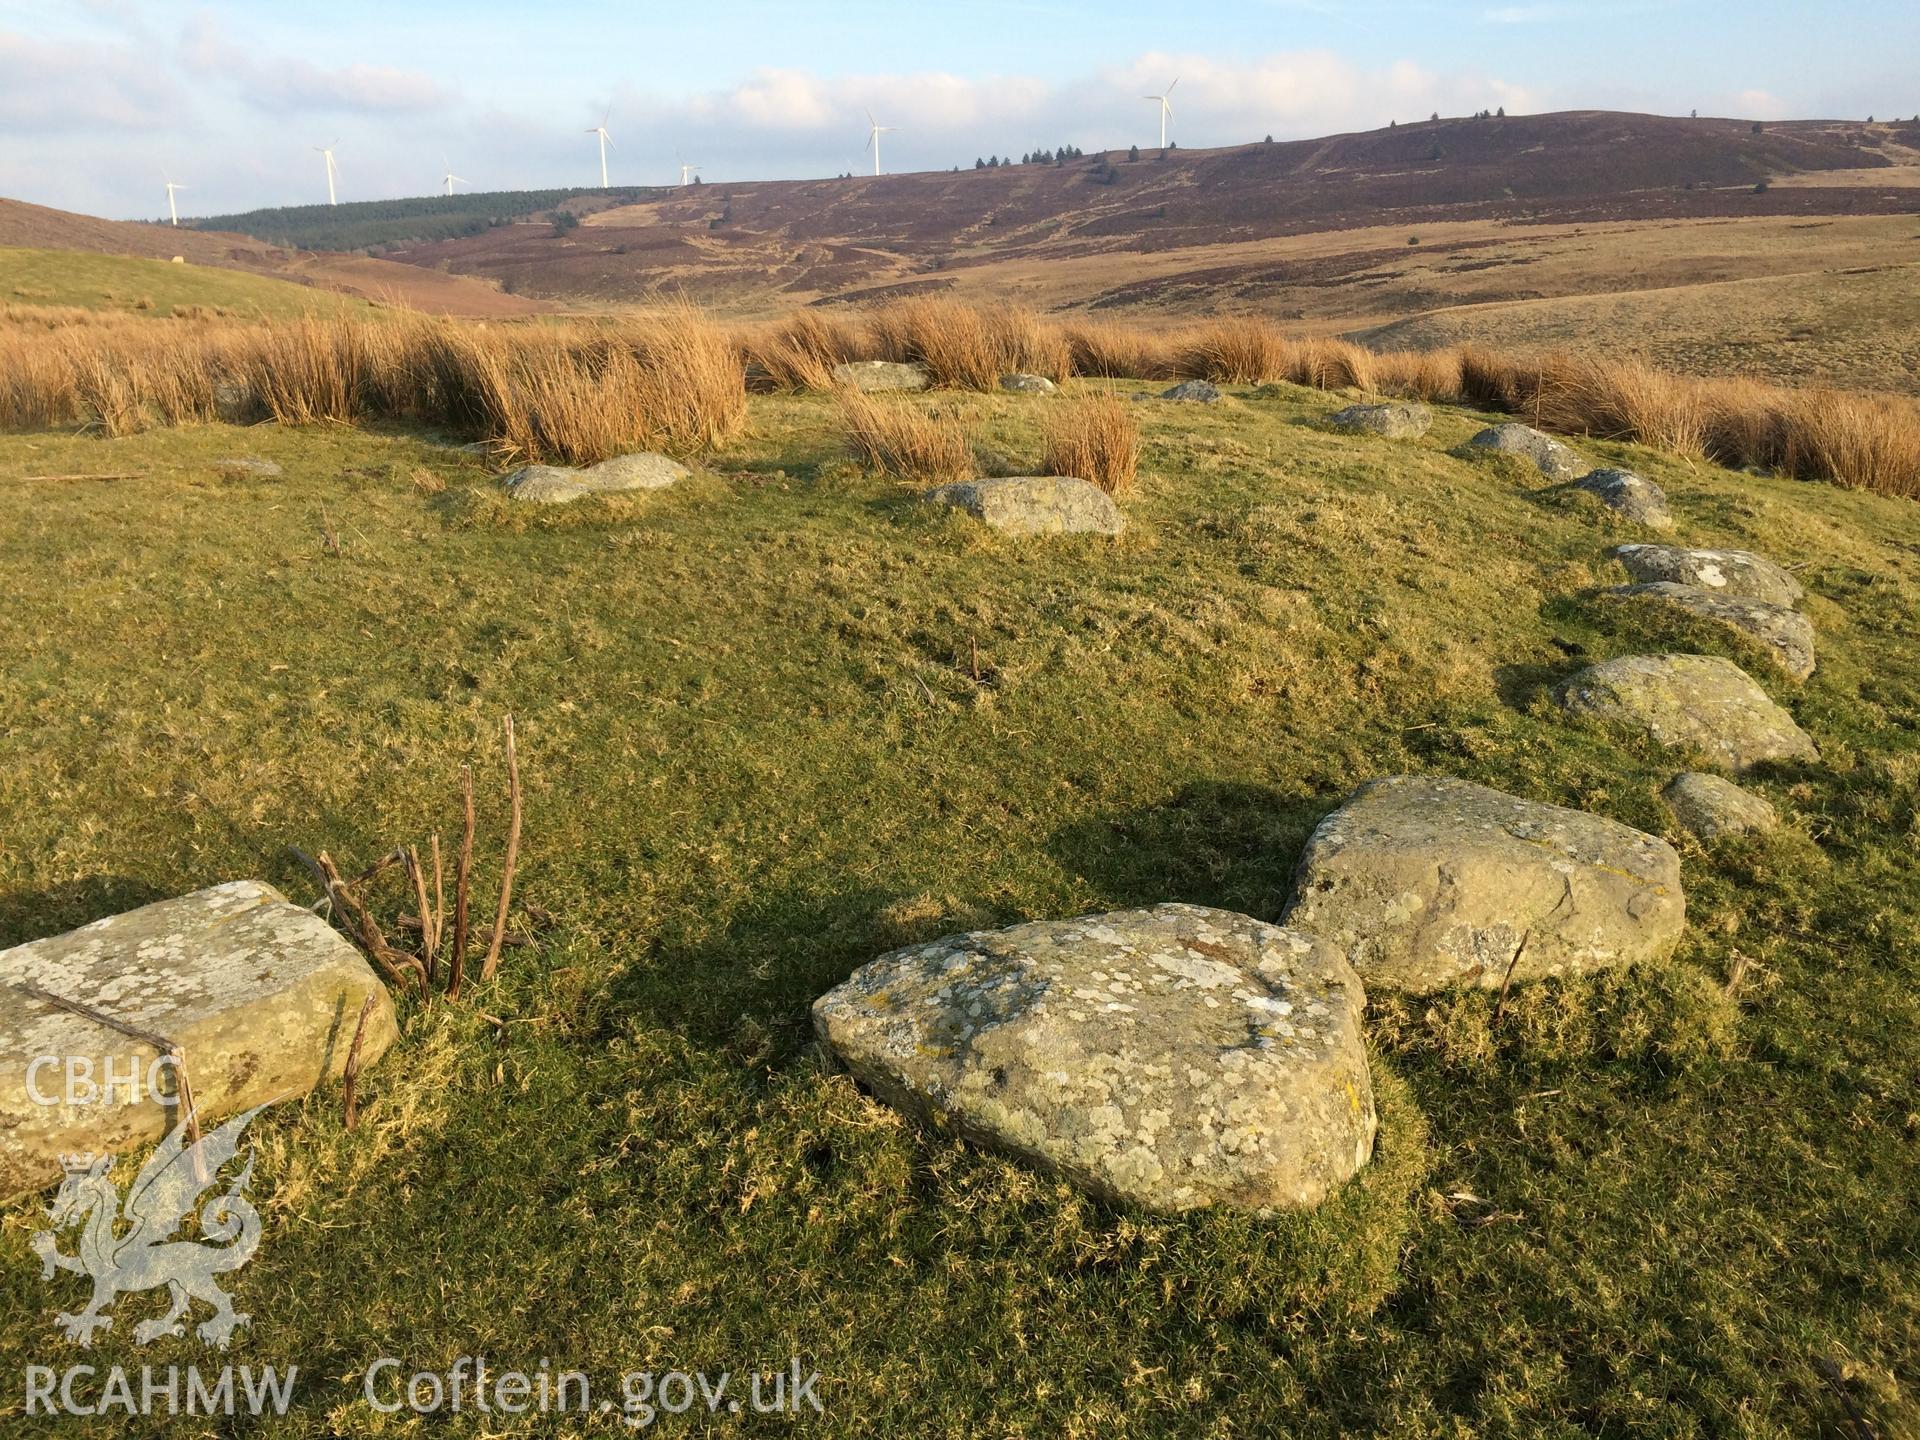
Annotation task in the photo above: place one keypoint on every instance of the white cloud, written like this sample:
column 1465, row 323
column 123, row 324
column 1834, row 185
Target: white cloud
column 82, row 86
column 287, row 83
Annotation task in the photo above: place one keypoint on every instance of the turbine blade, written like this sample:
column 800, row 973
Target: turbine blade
column 1176, row 81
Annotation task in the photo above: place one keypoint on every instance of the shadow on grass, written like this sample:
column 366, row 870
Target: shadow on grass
column 1231, row 846
column 34, row 914
column 748, row 985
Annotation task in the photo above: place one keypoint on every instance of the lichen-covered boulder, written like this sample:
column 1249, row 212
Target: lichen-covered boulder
column 558, row 485
column 249, row 467
column 1712, row 808
column 1700, row 704
column 1785, row 634
column 1020, row 384
column 1738, row 573
column 642, row 470
column 1193, row 392
column 1034, row 504
column 1546, row 454
column 261, row 997
column 544, row 485
column 880, row 375
column 1429, row 881
column 1397, row 420
column 1172, row 1058
column 1629, row 495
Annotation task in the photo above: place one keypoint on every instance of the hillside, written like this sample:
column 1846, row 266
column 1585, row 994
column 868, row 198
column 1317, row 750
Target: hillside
column 157, row 287
column 38, row 227
column 752, row 244
column 782, row 718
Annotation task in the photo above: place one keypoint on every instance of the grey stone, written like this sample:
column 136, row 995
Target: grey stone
column 1028, row 384
column 556, row 485
column 1713, row 808
column 1738, row 573
column 1034, row 504
column 1627, row 494
column 1546, row 454
column 1785, row 634
column 1429, row 881
column 1173, row 1058
column 544, row 485
column 243, row 466
column 876, row 375
column 235, row 402
column 1398, row 420
column 1697, row 703
column 643, row 470
column 1197, row 392
column 260, row 996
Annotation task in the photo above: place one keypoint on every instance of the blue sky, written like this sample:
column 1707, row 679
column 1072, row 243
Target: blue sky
column 100, row 99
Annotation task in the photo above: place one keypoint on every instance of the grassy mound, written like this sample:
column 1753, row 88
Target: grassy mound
column 156, row 288
column 782, row 717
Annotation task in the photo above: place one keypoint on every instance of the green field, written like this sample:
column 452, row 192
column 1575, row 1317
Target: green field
column 152, row 287
column 757, row 755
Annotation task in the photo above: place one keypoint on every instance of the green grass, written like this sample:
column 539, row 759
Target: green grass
column 756, row 756
column 155, row 287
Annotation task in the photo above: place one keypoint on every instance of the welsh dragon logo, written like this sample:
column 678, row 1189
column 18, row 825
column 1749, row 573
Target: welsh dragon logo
column 131, row 1247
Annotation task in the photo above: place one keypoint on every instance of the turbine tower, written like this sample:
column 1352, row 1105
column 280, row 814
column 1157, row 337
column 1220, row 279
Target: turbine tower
column 332, row 170
column 687, row 171
column 450, row 179
column 605, row 141
column 173, row 212
column 1166, row 109
column 874, row 132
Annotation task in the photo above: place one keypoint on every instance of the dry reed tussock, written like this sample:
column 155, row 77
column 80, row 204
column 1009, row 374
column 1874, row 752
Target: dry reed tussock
column 1094, row 438
column 898, row 438
column 578, row 391
column 569, row 393
column 968, row 347
column 1109, row 350
column 1432, row 375
column 799, row 353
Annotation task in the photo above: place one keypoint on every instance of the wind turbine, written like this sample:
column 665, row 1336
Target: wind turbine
column 332, row 170
column 605, row 141
column 1166, row 109
column 687, row 172
column 449, row 179
column 172, row 211
column 874, row 133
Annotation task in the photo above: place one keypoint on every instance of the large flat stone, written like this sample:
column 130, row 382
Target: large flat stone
column 1173, row 1058
column 559, row 485
column 1727, row 572
column 1785, row 634
column 1632, row 496
column 260, row 995
column 1426, row 881
column 1396, row 419
column 1034, row 504
column 642, row 470
column 1546, row 454
column 1714, row 808
column 1699, row 704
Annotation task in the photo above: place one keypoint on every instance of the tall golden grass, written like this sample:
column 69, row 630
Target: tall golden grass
column 578, row 390
column 899, row 438
column 1094, row 438
column 572, row 392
